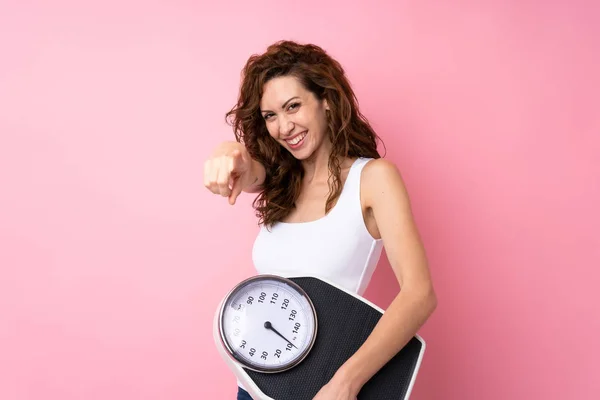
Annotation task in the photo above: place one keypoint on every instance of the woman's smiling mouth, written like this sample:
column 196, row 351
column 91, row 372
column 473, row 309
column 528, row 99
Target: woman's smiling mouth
column 297, row 140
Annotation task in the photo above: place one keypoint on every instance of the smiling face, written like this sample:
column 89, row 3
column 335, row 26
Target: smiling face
column 295, row 117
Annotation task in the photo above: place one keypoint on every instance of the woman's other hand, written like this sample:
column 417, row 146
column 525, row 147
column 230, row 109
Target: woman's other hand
column 230, row 170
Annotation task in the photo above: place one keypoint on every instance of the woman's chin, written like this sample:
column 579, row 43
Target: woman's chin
column 302, row 152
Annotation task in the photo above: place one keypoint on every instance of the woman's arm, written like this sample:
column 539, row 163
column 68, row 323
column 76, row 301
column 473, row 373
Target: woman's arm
column 385, row 194
column 258, row 173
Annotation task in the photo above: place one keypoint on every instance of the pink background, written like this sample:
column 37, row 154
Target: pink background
column 108, row 281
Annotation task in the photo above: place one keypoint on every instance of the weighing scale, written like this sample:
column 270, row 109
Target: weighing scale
column 285, row 337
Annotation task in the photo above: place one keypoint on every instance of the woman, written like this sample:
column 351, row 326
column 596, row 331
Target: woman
column 326, row 201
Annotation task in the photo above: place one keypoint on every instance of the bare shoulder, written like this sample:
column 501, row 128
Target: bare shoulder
column 379, row 167
column 382, row 182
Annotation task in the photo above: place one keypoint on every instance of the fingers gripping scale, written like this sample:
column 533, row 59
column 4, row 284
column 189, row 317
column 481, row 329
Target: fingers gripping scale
column 284, row 338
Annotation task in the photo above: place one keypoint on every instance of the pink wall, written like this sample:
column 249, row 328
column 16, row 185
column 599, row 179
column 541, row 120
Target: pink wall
column 108, row 282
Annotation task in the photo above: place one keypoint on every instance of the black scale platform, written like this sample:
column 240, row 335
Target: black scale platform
column 338, row 314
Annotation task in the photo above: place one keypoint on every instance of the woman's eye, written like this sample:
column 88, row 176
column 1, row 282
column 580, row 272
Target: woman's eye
column 293, row 105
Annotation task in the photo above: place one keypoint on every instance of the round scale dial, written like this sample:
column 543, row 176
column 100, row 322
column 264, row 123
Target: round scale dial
column 268, row 323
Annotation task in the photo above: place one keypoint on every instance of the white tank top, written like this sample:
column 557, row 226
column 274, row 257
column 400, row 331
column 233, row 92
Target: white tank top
column 337, row 247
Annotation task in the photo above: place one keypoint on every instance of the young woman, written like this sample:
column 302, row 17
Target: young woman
column 327, row 202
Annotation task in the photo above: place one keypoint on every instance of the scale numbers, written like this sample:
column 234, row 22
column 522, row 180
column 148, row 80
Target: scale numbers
column 268, row 323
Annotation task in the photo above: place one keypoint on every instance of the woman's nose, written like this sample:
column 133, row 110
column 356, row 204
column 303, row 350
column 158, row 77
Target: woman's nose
column 285, row 126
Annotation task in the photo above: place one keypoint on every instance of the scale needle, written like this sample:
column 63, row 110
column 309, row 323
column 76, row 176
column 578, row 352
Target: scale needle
column 268, row 325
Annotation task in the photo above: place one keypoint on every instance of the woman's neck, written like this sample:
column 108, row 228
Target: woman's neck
column 316, row 167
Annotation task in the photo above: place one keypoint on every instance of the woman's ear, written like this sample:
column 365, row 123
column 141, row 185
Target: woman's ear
column 326, row 104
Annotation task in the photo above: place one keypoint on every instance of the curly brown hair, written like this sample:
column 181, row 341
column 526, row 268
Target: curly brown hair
column 350, row 133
